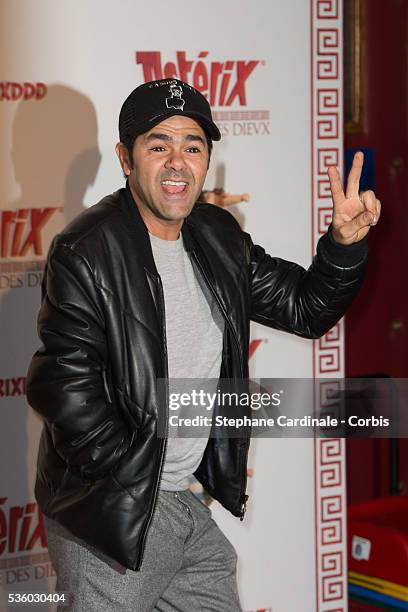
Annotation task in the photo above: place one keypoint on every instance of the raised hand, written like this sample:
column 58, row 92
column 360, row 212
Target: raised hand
column 355, row 212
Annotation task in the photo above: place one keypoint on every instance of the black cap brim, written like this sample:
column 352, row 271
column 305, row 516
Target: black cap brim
column 208, row 126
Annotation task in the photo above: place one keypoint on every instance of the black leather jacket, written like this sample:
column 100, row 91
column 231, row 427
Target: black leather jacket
column 102, row 326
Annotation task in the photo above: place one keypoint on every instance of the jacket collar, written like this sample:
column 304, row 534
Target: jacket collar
column 191, row 239
column 139, row 230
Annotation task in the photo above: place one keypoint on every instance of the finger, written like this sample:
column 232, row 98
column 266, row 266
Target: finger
column 370, row 201
column 363, row 220
column 377, row 212
column 353, row 181
column 335, row 185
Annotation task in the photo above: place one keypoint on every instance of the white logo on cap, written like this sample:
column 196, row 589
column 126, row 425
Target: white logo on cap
column 176, row 97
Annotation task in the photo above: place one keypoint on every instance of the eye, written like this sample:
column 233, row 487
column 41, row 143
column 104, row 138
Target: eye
column 157, row 148
column 193, row 150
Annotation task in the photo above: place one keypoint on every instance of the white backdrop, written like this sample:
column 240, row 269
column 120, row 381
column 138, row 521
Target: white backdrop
column 277, row 102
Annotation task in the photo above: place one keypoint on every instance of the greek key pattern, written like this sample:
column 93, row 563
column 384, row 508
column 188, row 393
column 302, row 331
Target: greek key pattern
column 330, row 519
column 327, row 130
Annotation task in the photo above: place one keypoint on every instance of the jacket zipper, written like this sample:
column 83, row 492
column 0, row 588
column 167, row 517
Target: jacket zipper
column 164, row 444
column 243, row 496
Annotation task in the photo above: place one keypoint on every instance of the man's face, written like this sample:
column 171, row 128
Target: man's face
column 170, row 164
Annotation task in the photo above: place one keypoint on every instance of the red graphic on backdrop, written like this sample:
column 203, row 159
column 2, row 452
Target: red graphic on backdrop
column 221, row 82
column 10, row 387
column 22, row 91
column 253, row 345
column 20, row 230
column 21, row 528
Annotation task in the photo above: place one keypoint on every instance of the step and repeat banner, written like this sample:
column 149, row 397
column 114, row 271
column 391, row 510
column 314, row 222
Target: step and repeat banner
column 272, row 73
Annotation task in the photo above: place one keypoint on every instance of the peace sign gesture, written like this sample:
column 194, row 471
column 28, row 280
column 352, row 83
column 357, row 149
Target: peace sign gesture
column 355, row 212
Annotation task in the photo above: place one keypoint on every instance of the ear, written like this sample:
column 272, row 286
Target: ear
column 123, row 155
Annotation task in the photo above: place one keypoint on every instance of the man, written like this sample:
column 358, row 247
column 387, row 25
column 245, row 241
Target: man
column 149, row 284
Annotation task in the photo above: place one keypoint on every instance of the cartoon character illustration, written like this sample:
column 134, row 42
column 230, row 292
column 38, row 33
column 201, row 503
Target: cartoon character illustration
column 176, row 98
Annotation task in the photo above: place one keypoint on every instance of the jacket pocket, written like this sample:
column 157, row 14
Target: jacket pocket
column 54, row 489
column 131, row 411
column 84, row 438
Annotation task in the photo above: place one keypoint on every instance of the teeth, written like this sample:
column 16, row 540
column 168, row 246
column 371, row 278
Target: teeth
column 176, row 183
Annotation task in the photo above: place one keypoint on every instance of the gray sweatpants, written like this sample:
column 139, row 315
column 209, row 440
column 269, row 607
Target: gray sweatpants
column 188, row 565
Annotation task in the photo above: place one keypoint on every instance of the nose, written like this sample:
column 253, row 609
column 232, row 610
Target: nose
column 175, row 161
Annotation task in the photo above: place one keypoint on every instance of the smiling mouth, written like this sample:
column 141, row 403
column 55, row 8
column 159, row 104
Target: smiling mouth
column 172, row 187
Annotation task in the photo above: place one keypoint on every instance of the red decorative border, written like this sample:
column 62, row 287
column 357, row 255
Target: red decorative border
column 328, row 352
column 327, row 9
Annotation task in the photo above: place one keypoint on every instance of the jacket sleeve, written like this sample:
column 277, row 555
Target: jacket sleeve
column 306, row 302
column 66, row 377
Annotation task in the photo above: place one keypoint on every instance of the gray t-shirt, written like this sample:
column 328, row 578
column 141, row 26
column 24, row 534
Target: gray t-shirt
column 194, row 331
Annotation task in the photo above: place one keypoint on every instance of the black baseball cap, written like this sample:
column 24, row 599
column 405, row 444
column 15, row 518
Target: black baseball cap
column 152, row 102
